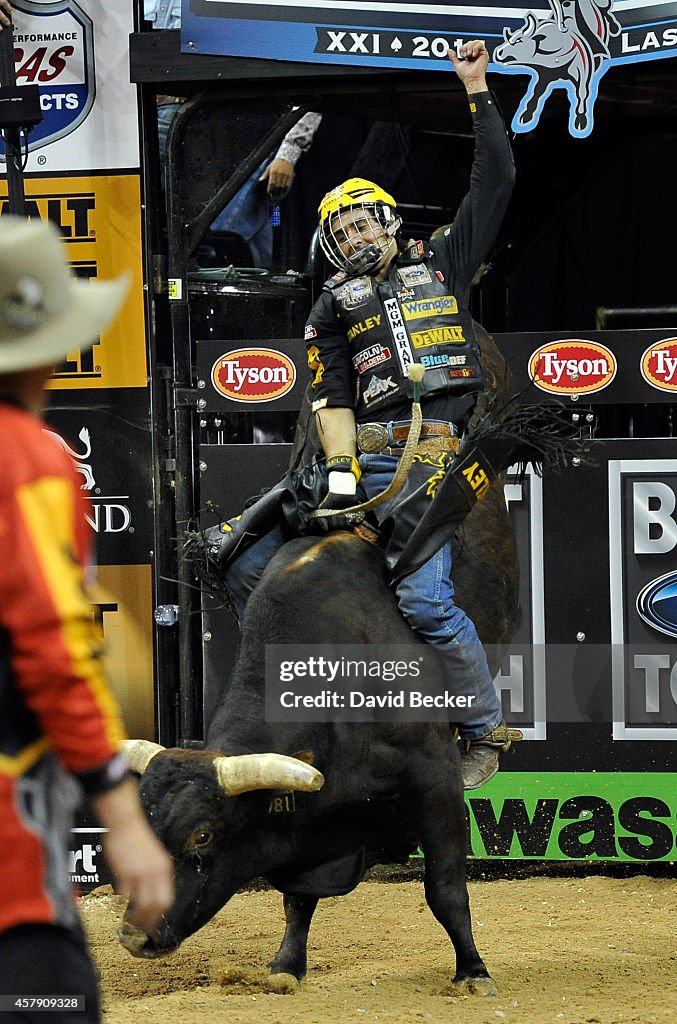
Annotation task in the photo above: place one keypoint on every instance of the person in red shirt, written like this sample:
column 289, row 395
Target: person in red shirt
column 60, row 726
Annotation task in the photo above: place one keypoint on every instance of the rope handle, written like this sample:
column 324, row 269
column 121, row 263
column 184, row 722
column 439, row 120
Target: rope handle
column 416, row 372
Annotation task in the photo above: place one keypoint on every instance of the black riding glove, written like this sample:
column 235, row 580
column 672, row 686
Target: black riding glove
column 341, row 521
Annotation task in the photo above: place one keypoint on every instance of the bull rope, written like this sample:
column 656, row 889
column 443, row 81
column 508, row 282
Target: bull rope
column 403, row 466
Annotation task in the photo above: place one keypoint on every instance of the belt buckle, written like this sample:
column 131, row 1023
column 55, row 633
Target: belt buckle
column 372, row 438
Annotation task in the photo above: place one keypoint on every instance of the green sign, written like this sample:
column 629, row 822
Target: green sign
column 609, row 816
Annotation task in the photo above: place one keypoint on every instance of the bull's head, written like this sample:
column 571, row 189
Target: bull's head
column 188, row 798
column 519, row 46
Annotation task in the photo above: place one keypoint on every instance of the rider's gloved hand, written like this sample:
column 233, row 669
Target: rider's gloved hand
column 343, row 473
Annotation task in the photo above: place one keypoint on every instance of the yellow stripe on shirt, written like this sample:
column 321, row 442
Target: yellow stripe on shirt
column 47, row 507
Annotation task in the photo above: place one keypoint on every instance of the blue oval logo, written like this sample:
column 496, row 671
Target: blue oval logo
column 657, row 604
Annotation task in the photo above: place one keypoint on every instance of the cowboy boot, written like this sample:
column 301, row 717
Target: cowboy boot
column 479, row 759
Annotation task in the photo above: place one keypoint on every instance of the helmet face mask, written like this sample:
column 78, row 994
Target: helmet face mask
column 358, row 223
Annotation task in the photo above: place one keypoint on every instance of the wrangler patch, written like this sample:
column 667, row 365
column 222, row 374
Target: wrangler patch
column 418, row 309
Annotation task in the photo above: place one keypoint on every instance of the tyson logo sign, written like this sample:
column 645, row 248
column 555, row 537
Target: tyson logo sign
column 659, row 365
column 572, row 367
column 253, row 375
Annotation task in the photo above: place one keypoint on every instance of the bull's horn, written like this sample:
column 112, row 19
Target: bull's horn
column 139, row 753
column 244, row 773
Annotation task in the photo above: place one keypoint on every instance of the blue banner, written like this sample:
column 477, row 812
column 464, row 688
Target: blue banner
column 558, row 44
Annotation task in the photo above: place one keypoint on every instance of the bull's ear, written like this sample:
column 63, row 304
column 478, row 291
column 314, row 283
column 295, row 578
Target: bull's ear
column 307, row 756
column 139, row 753
column 244, row 773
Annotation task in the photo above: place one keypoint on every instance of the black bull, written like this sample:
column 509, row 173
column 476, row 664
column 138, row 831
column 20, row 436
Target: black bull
column 386, row 787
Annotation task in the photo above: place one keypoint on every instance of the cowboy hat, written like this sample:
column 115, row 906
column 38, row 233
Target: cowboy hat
column 45, row 311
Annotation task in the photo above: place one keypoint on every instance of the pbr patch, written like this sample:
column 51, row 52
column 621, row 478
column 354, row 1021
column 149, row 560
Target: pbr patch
column 309, row 333
column 355, row 293
column 370, row 357
column 406, row 293
column 54, row 49
column 415, row 275
column 377, row 389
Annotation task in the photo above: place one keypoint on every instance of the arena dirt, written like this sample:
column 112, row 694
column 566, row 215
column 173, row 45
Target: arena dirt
column 592, row 950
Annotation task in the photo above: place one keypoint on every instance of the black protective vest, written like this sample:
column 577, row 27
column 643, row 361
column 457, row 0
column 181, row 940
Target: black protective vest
column 409, row 317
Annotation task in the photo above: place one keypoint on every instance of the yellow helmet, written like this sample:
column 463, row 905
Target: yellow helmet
column 378, row 224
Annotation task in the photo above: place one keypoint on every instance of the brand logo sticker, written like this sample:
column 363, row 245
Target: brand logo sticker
column 659, row 365
column 657, row 604
column 572, row 367
column 54, row 49
column 253, row 375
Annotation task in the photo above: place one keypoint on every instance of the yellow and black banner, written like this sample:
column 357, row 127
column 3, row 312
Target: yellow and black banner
column 99, row 216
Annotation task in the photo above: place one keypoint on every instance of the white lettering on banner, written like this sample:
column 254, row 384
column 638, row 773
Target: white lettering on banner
column 85, row 856
column 642, row 542
column 665, row 363
column 554, row 368
column 655, row 529
column 399, row 333
column 652, row 665
column 648, row 41
column 235, row 374
column 109, row 517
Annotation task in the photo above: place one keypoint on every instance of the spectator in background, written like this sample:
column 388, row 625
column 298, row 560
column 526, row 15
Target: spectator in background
column 249, row 213
column 59, row 722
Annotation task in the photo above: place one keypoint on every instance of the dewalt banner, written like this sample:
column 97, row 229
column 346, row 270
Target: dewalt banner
column 99, row 217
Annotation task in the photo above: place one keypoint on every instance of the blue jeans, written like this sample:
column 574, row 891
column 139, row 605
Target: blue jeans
column 425, row 598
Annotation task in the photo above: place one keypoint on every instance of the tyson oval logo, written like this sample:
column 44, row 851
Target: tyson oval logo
column 659, row 365
column 572, row 367
column 657, row 604
column 253, row 375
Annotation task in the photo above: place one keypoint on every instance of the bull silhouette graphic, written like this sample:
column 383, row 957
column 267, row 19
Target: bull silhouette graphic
column 569, row 49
